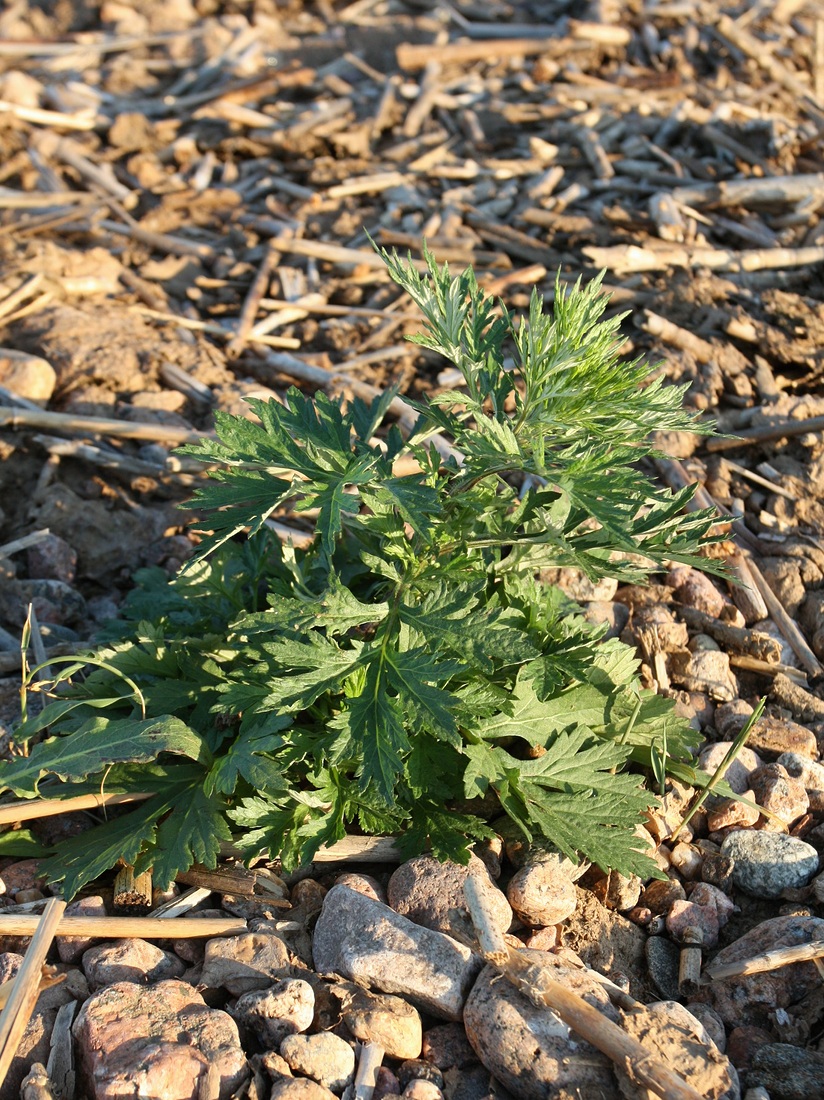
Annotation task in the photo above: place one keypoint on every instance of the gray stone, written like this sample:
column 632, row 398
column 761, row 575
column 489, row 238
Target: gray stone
column 374, row 946
column 529, row 1049
column 768, row 863
column 788, row 1072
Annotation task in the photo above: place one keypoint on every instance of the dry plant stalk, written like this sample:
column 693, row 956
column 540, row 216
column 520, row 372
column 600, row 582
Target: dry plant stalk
column 536, row 983
column 108, row 928
column 769, row 960
column 20, row 1004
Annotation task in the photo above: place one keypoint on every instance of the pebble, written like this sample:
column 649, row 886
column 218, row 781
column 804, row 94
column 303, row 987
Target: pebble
column 809, row 773
column 386, row 1020
column 156, row 1040
column 775, row 790
column 727, row 813
column 774, row 736
column 614, row 614
column 768, row 863
column 531, row 1051
column 324, row 1057
column 617, row 891
column 541, row 893
column 131, row 960
column 419, row 1089
column 364, row 884
column 67, row 601
column 23, row 874
column 752, row 998
column 70, row 948
column 27, row 376
column 663, row 959
column 287, row 1007
column 788, row 1072
column 744, row 1043
column 731, row 717
column 717, row 871
column 243, row 963
column 372, row 945
column 707, row 670
column 52, row 558
column 446, row 1045
column 299, row 1088
column 695, row 589
column 425, row 890
column 739, row 771
column 419, row 1069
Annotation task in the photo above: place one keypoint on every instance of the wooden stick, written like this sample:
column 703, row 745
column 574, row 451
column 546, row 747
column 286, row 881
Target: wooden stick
column 785, row 624
column 20, row 1004
column 769, row 960
column 755, row 643
column 33, row 809
column 108, row 928
column 767, row 668
column 251, row 303
column 23, row 543
column 689, row 962
column 124, row 429
column 803, row 705
column 536, row 983
column 69, row 152
column 132, row 893
column 784, row 429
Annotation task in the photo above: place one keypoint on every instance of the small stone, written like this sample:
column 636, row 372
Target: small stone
column 707, row 671
column 617, row 891
column 52, row 558
column 663, row 959
column 446, row 1045
column 787, row 1072
column 685, row 915
column 728, row 812
column 744, row 1043
column 274, row 1065
column 544, row 939
column 730, row 718
column 422, row 1090
column 69, row 604
column 299, row 1088
column 24, row 874
column 364, row 884
column 70, row 948
column 386, row 1020
column 372, row 945
column 713, row 1025
column 541, row 893
column 686, row 860
column 753, row 998
column 809, row 773
column 325, row 1057
column 425, row 890
column 529, row 1050
column 773, row 736
column 418, row 1069
column 776, row 791
column 615, row 615
column 739, row 771
column 130, row 960
column 156, row 1040
column 285, row 1008
column 767, row 863
column 27, row 376
column 717, row 871
column 695, row 589
column 243, row 963
column 386, row 1084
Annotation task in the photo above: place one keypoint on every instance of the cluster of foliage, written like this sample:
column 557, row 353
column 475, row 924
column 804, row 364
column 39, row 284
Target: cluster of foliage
column 406, row 674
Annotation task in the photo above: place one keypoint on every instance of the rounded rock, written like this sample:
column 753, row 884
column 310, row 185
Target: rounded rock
column 768, row 863
column 386, row 1020
column 286, row 1008
column 541, row 894
column 739, row 771
column 776, row 791
column 809, row 773
column 424, row 890
column 130, row 960
column 325, row 1057
column 299, row 1088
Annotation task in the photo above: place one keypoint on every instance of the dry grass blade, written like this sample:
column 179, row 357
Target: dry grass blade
column 35, row 808
column 116, row 928
column 20, row 1004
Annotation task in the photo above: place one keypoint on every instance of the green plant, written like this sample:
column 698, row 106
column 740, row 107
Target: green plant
column 406, row 674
